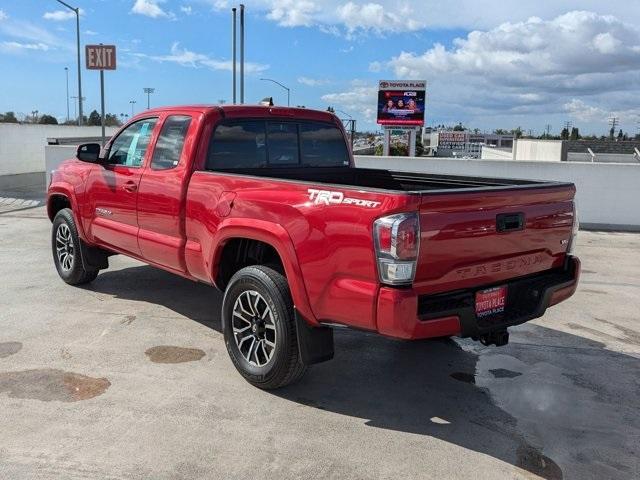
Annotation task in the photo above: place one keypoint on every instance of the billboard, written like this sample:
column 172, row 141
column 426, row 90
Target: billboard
column 401, row 102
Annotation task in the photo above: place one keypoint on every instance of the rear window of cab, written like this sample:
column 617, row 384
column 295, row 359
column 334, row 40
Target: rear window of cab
column 274, row 143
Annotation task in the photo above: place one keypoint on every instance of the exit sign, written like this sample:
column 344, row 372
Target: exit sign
column 100, row 57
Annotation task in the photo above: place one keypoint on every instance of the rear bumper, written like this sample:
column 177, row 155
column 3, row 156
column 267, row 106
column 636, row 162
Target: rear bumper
column 405, row 314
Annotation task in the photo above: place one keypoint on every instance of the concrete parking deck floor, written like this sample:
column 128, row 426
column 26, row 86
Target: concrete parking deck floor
column 129, row 378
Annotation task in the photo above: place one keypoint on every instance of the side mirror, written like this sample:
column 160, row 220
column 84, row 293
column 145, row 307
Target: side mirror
column 88, row 152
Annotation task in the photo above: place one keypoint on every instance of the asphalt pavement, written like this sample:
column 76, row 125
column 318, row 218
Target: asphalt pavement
column 129, row 378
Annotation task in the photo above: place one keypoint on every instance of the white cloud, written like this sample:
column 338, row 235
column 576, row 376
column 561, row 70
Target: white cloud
column 16, row 47
column 60, row 15
column 186, row 9
column 293, row 13
column 150, row 8
column 606, row 43
column 3, row 15
column 375, row 67
column 90, row 33
column 313, row 82
column 359, row 99
column 532, row 66
column 188, row 58
column 26, row 33
column 355, row 17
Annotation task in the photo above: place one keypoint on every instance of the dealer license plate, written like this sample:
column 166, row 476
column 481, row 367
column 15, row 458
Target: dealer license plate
column 491, row 301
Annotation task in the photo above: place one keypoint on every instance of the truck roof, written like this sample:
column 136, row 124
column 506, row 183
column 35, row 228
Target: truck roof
column 249, row 111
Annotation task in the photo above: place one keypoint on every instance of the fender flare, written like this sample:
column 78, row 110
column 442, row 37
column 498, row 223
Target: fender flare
column 67, row 192
column 275, row 235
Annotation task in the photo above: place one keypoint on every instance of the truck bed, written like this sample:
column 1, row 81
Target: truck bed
column 389, row 180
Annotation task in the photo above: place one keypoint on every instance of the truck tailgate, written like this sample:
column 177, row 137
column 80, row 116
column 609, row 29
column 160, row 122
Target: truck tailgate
column 473, row 239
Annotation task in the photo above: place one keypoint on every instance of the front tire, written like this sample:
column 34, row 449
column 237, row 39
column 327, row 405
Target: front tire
column 259, row 328
column 65, row 246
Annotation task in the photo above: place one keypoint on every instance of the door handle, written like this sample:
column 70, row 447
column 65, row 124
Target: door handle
column 130, row 186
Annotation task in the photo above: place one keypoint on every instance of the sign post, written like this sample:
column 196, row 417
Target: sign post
column 101, row 57
column 401, row 105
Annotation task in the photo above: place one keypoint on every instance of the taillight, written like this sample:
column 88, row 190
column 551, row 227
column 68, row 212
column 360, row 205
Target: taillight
column 397, row 239
column 574, row 232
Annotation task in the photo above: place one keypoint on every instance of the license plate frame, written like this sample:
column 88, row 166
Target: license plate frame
column 491, row 301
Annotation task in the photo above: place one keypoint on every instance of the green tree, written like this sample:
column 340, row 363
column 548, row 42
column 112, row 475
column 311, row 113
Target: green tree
column 419, row 147
column 564, row 134
column 458, row 128
column 8, row 117
column 48, row 120
column 620, row 135
column 94, row 118
column 575, row 134
column 111, row 120
column 517, row 132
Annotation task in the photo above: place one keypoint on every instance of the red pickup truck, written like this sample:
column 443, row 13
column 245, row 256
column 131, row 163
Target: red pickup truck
column 266, row 204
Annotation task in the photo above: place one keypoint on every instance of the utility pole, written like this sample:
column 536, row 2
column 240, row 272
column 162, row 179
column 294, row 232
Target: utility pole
column 132, row 102
column 149, row 91
column 80, row 98
column 547, row 129
column 614, row 122
column 66, row 71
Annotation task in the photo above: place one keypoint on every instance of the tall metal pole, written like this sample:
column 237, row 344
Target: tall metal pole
column 66, row 71
column 80, row 119
column 77, row 12
column 102, row 103
column 241, row 53
column 233, row 51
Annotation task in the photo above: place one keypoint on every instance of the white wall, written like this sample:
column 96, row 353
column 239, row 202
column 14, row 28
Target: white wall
column 492, row 153
column 55, row 155
column 540, row 150
column 22, row 145
column 608, row 194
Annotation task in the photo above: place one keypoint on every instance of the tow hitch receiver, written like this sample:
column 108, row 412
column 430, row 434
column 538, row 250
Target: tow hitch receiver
column 498, row 338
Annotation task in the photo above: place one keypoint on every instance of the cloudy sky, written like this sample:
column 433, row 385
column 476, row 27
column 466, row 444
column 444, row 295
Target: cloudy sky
column 489, row 64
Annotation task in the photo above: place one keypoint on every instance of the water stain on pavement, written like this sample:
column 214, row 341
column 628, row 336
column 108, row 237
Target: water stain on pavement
column 171, row 354
column 504, row 373
column 530, row 459
column 9, row 348
column 48, row 384
column 128, row 320
column 464, row 377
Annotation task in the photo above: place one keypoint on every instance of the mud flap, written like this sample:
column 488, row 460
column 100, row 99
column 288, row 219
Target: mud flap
column 315, row 343
column 94, row 257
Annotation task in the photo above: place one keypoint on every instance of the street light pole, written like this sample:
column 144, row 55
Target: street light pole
column 278, row 83
column 77, row 12
column 149, row 91
column 132, row 102
column 66, row 71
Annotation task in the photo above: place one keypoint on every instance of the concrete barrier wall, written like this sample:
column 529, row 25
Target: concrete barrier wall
column 22, row 145
column 608, row 194
column 55, row 155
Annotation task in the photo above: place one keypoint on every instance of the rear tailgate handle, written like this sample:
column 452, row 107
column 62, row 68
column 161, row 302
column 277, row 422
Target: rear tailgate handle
column 509, row 222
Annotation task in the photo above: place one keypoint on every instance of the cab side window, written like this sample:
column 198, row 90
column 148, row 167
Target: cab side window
column 129, row 147
column 170, row 142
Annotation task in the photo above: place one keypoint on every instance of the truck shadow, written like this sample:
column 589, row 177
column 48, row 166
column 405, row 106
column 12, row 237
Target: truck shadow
column 544, row 403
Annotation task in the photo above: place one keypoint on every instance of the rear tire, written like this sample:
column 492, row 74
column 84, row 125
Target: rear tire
column 260, row 329
column 65, row 246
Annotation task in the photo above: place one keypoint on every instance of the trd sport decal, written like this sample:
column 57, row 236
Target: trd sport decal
column 327, row 197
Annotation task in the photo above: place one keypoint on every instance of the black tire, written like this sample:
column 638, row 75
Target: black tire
column 285, row 366
column 71, row 269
